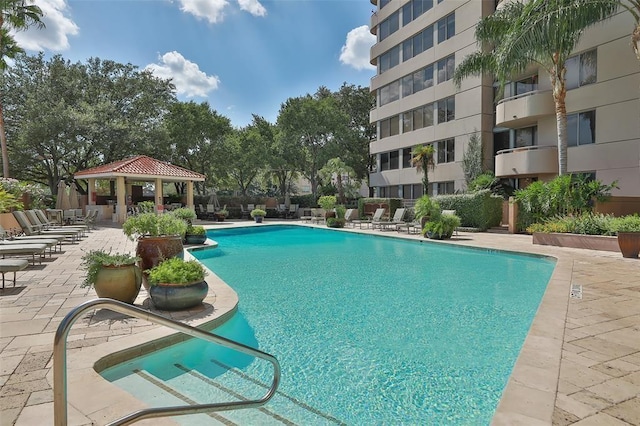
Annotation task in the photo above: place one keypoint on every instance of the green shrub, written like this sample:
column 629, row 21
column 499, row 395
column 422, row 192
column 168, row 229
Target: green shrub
column 629, row 223
column 94, row 260
column 585, row 224
column 184, row 213
column 146, row 206
column 479, row 209
column 153, row 225
column 334, row 222
column 327, row 202
column 258, row 212
column 196, row 230
column 340, row 211
column 443, row 226
column 176, row 271
column 425, row 207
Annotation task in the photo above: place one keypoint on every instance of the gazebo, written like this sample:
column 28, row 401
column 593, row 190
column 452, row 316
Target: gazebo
column 137, row 169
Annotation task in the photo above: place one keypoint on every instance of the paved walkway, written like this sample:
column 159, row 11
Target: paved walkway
column 580, row 363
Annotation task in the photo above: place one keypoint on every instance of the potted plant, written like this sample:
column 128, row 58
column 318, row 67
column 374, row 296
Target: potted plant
column 159, row 237
column 221, row 215
column 628, row 230
column 338, row 221
column 195, row 235
column 425, row 210
column 185, row 214
column 328, row 202
column 442, row 227
column 112, row 275
column 258, row 215
column 177, row 284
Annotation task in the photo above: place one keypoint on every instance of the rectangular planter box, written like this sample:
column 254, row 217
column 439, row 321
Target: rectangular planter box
column 589, row 242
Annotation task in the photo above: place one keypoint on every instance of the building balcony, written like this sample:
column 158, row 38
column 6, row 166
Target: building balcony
column 527, row 161
column 525, row 109
column 373, row 25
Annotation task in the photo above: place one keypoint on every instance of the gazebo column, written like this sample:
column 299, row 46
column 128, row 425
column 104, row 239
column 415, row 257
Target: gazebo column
column 121, row 200
column 190, row 196
column 159, row 197
column 91, row 189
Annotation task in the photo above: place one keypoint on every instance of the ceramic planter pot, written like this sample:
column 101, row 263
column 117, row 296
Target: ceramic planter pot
column 195, row 239
column 629, row 243
column 119, row 282
column 174, row 297
column 153, row 250
column 258, row 219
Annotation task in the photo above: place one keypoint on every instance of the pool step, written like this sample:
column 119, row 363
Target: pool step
column 192, row 387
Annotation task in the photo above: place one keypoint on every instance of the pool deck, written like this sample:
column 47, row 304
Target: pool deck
column 580, row 363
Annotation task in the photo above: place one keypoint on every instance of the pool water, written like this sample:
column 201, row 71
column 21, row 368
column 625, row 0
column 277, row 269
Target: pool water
column 367, row 329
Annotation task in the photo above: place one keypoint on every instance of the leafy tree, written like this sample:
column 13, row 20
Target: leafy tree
column 15, row 15
column 197, row 140
column 344, row 176
column 246, row 155
column 313, row 123
column 541, row 31
column 64, row 117
column 422, row 159
column 472, row 159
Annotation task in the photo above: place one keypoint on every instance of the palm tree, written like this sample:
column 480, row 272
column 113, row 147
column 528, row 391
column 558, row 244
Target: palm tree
column 422, row 159
column 15, row 15
column 544, row 32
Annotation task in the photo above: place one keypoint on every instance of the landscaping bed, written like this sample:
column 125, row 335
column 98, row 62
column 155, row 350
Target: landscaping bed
column 590, row 242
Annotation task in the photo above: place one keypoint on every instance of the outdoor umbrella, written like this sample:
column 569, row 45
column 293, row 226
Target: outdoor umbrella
column 62, row 202
column 73, row 197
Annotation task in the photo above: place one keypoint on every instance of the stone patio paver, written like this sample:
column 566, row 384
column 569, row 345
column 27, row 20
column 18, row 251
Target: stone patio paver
column 580, row 363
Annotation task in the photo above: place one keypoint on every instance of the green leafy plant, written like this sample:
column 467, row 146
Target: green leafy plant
column 8, row 202
column 184, row 213
column 94, row 260
column 196, row 230
column 223, row 212
column 258, row 212
column 327, row 202
column 146, row 207
column 442, row 227
column 340, row 211
column 176, row 271
column 425, row 207
column 153, row 225
column 629, row 223
column 334, row 222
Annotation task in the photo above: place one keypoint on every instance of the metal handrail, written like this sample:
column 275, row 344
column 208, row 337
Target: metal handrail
column 60, row 364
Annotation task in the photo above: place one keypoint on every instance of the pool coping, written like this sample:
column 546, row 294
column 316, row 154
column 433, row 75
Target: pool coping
column 529, row 397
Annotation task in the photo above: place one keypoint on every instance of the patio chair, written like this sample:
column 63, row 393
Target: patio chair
column 32, row 229
column 397, row 219
column 377, row 215
column 413, row 227
column 350, row 215
column 293, row 211
column 318, row 215
column 12, row 265
column 28, row 239
column 244, row 213
column 307, row 217
column 37, row 217
column 24, row 249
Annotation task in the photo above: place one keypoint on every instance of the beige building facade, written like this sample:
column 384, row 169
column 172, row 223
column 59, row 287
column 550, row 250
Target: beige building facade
column 419, row 43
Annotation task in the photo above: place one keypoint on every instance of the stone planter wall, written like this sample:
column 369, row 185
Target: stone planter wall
column 589, row 242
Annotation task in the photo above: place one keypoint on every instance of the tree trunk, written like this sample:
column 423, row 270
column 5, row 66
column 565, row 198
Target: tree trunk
column 3, row 143
column 559, row 96
column 635, row 41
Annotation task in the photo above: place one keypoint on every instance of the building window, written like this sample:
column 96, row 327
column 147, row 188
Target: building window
column 390, row 127
column 527, row 136
column 417, row 44
column 581, row 128
column 419, row 80
column 384, row 161
column 446, row 28
column 446, row 67
column 414, row 9
column 407, row 122
column 406, row 158
column 437, row 188
column 581, row 69
column 383, row 3
column 446, row 151
column 446, row 109
column 394, row 160
column 389, row 93
column 389, row 26
column 389, row 59
column 418, row 191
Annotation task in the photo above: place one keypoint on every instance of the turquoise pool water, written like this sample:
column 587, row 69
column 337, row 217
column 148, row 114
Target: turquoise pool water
column 368, row 330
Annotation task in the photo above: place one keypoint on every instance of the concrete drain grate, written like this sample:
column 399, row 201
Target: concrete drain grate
column 576, row 291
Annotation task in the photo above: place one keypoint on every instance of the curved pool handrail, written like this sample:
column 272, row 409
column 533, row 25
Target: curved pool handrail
column 60, row 364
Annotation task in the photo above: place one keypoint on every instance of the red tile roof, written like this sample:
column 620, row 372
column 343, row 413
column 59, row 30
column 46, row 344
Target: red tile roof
column 140, row 166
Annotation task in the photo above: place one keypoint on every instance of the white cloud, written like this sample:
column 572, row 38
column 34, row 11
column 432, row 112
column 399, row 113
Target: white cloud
column 186, row 75
column 253, row 7
column 54, row 36
column 211, row 10
column 355, row 51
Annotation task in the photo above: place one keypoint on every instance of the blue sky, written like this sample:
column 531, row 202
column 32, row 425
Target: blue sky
column 242, row 56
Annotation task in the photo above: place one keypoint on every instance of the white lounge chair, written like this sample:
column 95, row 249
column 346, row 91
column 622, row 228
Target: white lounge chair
column 377, row 215
column 397, row 219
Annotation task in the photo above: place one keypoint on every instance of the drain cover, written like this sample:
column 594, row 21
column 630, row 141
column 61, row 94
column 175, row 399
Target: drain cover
column 576, row 291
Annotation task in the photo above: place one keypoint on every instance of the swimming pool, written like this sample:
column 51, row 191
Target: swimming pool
column 368, row 330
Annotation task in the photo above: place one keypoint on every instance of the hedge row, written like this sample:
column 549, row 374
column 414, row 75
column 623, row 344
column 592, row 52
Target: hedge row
column 479, row 209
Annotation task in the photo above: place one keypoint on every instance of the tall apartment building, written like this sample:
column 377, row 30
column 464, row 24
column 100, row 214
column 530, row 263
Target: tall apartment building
column 419, row 43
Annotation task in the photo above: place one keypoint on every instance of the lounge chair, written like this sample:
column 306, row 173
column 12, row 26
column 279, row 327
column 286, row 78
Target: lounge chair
column 377, row 215
column 397, row 219
column 31, row 229
column 24, row 249
column 37, row 217
column 244, row 214
column 12, row 265
column 318, row 215
column 28, row 239
column 350, row 215
column 51, row 243
column 293, row 211
column 413, row 227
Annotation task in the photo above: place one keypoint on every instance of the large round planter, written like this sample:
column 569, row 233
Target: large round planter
column 195, row 239
column 172, row 297
column 629, row 243
column 119, row 282
column 153, row 250
column 258, row 219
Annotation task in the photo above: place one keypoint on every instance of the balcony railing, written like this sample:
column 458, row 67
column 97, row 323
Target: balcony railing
column 527, row 161
column 524, row 108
